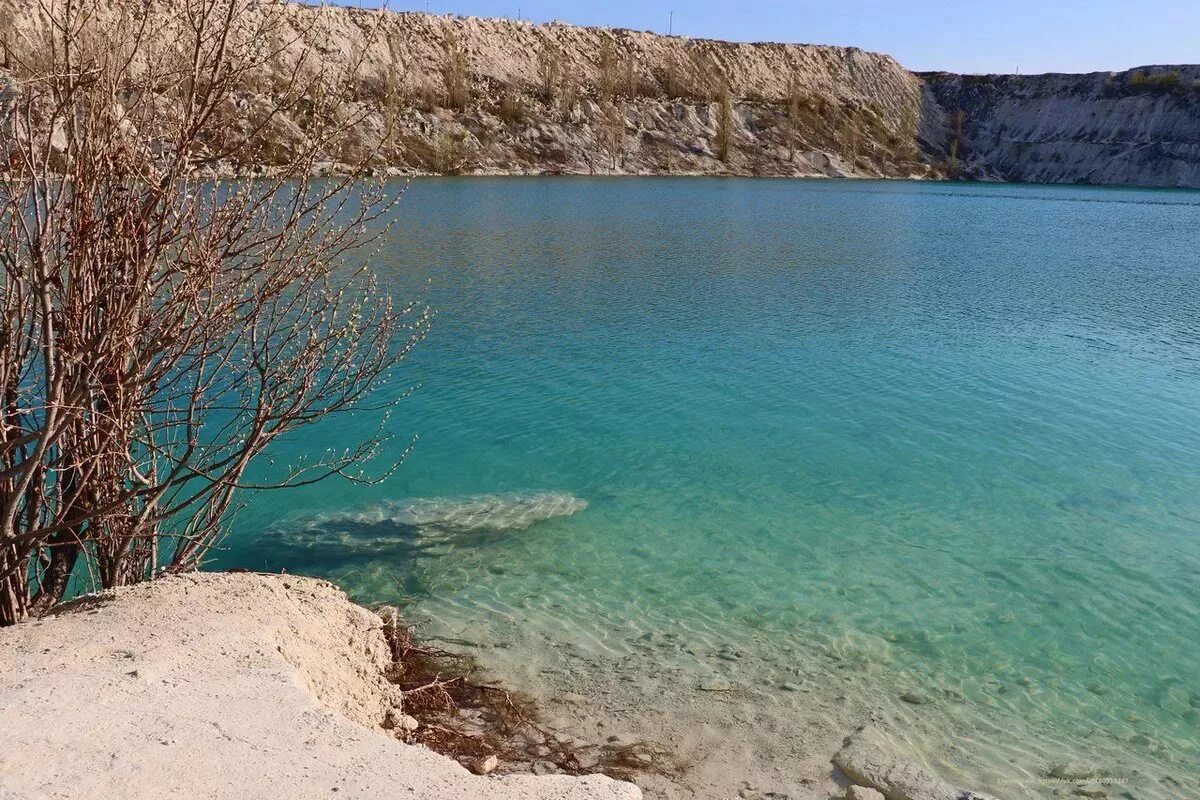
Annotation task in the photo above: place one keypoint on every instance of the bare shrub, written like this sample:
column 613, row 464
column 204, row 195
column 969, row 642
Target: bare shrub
column 456, row 73
column 669, row 78
column 550, row 71
column 448, row 155
column 425, row 98
column 707, row 78
column 161, row 329
column 567, row 97
column 608, row 78
column 629, row 83
column 612, row 130
column 797, row 102
column 724, row 137
column 956, row 136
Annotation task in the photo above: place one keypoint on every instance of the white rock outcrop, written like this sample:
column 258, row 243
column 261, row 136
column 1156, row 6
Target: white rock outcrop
column 223, row 686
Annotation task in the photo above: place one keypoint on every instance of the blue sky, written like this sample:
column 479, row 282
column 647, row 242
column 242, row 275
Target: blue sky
column 957, row 35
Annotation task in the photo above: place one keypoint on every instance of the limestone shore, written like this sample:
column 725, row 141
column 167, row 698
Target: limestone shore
column 223, row 686
column 235, row 685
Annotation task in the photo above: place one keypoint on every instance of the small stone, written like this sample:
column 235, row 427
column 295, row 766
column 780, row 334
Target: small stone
column 485, row 765
column 1092, row 790
column 915, row 698
column 1072, row 771
column 623, row 740
column 863, row 793
column 867, row 759
column 396, row 719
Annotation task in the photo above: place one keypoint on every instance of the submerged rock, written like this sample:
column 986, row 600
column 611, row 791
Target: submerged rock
column 1073, row 771
column 488, row 512
column 404, row 529
column 868, row 760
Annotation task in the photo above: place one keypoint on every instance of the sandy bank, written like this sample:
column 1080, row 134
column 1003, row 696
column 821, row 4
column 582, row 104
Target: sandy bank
column 222, row 686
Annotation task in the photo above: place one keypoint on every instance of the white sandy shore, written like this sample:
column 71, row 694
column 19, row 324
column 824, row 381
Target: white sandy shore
column 223, row 686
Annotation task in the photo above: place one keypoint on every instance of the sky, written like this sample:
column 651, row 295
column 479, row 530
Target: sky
column 955, row 35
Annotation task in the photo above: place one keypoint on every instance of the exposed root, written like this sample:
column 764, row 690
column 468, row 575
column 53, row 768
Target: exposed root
column 467, row 719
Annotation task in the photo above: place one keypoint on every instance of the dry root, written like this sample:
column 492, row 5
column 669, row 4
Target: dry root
column 467, row 719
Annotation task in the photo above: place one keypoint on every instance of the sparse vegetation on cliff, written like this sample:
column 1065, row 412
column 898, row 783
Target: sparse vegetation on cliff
column 1136, row 128
column 724, row 136
column 455, row 73
column 512, row 104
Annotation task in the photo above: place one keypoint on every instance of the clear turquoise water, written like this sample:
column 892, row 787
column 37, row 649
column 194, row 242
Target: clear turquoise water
column 950, row 430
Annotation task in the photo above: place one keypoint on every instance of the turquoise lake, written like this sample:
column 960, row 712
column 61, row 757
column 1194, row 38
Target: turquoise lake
column 935, row 439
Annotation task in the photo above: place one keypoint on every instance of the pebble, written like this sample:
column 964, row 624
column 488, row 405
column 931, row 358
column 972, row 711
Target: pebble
column 485, row 765
column 398, row 720
column 915, row 698
column 1072, row 771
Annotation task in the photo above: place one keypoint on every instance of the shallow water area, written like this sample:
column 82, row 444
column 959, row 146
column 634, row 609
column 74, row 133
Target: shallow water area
column 741, row 465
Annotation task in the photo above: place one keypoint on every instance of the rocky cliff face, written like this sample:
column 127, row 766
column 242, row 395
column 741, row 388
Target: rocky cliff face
column 464, row 95
column 501, row 96
column 450, row 94
column 1136, row 128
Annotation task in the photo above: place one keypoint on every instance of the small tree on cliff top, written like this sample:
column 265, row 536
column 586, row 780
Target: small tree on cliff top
column 160, row 331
